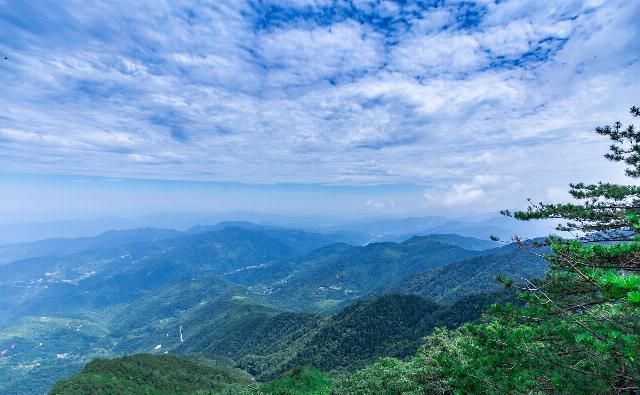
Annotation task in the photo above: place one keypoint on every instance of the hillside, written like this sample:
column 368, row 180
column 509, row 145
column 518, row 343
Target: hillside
column 152, row 374
column 57, row 247
column 332, row 276
column 449, row 283
column 365, row 331
column 118, row 274
column 267, row 342
column 299, row 241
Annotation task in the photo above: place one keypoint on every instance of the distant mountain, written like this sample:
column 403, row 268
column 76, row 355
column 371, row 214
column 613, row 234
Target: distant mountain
column 340, row 273
column 11, row 233
column 101, row 278
column 60, row 247
column 15, row 231
column 153, row 374
column 316, row 275
column 502, row 227
column 378, row 228
column 118, row 272
column 399, row 229
column 299, row 241
column 469, row 243
column 477, row 274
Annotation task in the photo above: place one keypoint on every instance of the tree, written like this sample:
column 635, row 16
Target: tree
column 592, row 290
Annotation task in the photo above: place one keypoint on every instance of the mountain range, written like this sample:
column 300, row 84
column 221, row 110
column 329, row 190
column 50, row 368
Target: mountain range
column 266, row 299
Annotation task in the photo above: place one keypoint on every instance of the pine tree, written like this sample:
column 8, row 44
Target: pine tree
column 591, row 295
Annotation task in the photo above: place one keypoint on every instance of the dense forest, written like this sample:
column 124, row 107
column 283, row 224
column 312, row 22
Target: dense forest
column 153, row 374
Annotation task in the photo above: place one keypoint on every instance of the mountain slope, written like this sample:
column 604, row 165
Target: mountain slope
column 338, row 274
column 36, row 351
column 468, row 243
column 152, row 374
column 300, row 241
column 449, row 283
column 267, row 342
column 97, row 279
column 60, row 247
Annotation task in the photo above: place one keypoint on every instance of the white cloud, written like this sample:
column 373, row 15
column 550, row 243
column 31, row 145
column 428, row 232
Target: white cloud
column 302, row 56
column 226, row 92
column 439, row 53
column 380, row 204
column 480, row 187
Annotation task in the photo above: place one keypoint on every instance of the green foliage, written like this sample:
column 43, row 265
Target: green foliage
column 301, row 381
column 268, row 342
column 152, row 374
column 504, row 356
column 625, row 146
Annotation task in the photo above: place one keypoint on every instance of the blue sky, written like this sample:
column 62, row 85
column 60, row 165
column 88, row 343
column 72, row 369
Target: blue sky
column 379, row 107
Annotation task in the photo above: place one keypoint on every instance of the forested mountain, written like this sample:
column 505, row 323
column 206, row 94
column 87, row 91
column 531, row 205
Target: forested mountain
column 338, row 274
column 121, row 273
column 268, row 342
column 238, row 290
column 61, row 247
column 153, row 374
column 299, row 241
column 449, row 283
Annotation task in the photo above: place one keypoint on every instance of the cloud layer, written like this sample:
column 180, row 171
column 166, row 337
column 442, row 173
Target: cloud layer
column 462, row 97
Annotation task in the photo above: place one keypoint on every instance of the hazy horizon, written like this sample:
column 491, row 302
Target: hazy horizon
column 390, row 227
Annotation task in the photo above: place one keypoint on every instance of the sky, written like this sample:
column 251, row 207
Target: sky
column 308, row 106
